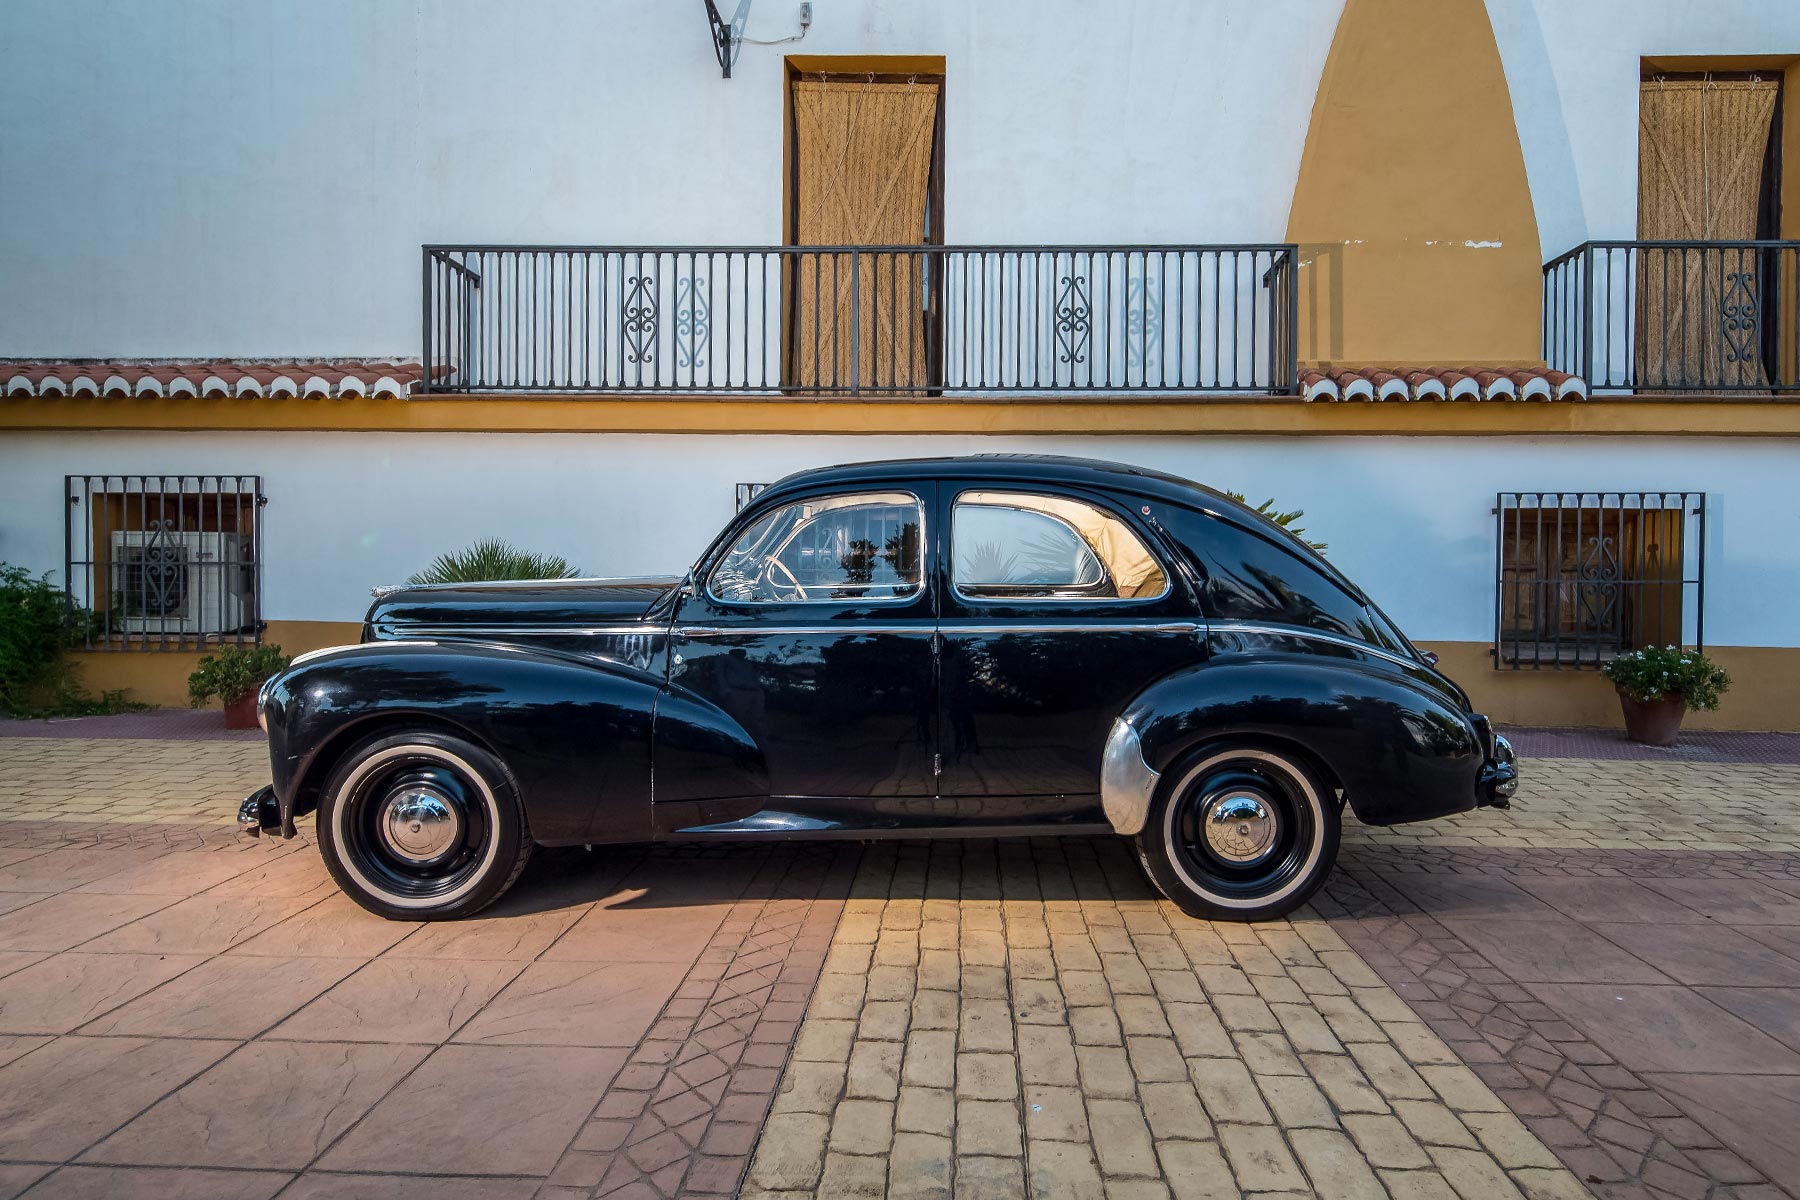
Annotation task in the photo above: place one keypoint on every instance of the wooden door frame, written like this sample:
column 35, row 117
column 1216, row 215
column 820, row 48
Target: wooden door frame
column 862, row 68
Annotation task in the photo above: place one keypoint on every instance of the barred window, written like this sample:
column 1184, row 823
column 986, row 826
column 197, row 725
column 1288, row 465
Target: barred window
column 164, row 562
column 1585, row 576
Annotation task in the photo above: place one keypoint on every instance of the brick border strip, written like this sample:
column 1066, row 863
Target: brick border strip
column 1616, row 1132
column 682, row 1116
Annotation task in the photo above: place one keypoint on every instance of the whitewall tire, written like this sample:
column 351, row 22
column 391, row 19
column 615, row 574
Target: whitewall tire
column 1240, row 833
column 421, row 825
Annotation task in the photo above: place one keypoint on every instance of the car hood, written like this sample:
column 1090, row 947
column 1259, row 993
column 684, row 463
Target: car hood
column 399, row 611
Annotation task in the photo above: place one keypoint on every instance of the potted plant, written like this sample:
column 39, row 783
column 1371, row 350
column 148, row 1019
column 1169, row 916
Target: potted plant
column 234, row 675
column 1658, row 684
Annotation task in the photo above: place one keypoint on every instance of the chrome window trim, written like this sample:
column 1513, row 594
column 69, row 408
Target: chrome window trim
column 947, row 628
column 1002, row 601
column 1102, row 625
column 926, row 627
column 1316, row 635
column 527, row 630
column 912, row 597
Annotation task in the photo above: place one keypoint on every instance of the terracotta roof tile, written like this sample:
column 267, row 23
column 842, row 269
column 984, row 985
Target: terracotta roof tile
column 340, row 378
column 1439, row 383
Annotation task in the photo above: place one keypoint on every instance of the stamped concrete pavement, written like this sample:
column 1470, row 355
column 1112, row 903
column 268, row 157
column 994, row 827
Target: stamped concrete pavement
column 1488, row 1006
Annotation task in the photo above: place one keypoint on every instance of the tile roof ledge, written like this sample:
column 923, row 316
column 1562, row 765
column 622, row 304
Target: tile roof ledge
column 212, row 379
column 1439, row 383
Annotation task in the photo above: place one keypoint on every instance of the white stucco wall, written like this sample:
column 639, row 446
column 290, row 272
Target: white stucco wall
column 1407, row 518
column 1573, row 69
column 208, row 177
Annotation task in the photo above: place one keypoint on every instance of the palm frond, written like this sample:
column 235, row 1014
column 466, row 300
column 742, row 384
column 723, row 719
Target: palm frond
column 493, row 559
column 1284, row 519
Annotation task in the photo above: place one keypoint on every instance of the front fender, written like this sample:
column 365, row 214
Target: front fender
column 574, row 732
column 1399, row 750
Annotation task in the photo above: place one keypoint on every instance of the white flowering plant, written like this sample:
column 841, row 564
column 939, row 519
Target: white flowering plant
column 1657, row 672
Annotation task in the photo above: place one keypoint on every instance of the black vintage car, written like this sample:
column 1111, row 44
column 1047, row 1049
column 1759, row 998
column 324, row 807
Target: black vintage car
column 965, row 647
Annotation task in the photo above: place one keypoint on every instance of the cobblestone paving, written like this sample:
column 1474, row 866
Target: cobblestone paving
column 107, row 781
column 1013, row 1018
column 1580, row 804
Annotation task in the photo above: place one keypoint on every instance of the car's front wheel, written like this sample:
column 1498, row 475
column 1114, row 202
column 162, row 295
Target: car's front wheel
column 1240, row 833
column 422, row 825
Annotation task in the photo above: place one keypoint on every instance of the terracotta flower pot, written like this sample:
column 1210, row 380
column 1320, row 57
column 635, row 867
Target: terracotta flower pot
column 241, row 713
column 1653, row 722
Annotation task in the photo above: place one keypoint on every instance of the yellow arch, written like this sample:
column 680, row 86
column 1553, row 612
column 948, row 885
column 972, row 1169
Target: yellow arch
column 1418, row 243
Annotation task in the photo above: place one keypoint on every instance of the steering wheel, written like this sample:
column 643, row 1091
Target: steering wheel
column 797, row 591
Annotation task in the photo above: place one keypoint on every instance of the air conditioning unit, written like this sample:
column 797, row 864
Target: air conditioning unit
column 182, row 582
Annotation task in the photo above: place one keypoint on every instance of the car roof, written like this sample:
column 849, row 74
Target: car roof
column 1019, row 469
column 1024, row 469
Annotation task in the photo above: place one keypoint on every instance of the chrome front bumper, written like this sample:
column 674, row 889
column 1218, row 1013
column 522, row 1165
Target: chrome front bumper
column 1499, row 777
column 259, row 811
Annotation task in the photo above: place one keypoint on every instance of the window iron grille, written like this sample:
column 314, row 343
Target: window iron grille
column 164, row 562
column 1582, row 577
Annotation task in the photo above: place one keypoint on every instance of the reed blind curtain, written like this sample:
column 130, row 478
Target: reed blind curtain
column 1701, row 150
column 862, row 178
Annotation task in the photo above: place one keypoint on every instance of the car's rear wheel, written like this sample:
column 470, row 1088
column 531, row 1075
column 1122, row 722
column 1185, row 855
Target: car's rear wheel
column 1240, row 833
column 422, row 825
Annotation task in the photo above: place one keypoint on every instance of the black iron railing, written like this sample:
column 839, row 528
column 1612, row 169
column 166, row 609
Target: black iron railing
column 1582, row 577
column 859, row 320
column 1676, row 316
column 163, row 561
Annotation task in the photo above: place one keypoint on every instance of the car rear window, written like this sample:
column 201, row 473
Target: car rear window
column 1252, row 577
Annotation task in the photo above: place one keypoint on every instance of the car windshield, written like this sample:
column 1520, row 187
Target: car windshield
column 862, row 546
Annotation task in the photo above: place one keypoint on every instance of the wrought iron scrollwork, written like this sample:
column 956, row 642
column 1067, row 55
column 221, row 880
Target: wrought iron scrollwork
column 159, row 568
column 639, row 317
column 1599, row 575
column 1738, row 316
column 1143, row 324
column 693, row 323
column 1073, row 319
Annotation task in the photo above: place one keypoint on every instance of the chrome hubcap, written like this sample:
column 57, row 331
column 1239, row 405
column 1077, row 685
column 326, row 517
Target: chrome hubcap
column 1241, row 828
column 420, row 825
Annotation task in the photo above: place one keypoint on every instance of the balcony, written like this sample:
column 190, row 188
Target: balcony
column 860, row 321
column 1694, row 317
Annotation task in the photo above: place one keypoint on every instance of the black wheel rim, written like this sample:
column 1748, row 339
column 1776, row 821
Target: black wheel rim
column 1244, row 857
column 416, row 827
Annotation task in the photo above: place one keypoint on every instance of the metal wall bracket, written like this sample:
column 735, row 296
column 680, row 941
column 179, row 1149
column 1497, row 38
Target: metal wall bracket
column 722, row 37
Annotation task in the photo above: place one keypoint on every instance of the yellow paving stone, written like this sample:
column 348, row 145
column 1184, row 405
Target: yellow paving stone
column 1298, row 1103
column 925, row 1110
column 1335, row 1166
column 1260, row 1159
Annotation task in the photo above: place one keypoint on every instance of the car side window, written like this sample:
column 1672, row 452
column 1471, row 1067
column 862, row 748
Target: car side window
column 1024, row 546
column 864, row 546
column 1251, row 578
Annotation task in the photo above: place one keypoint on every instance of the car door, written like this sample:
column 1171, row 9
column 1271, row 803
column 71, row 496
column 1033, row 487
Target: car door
column 813, row 631
column 1058, row 608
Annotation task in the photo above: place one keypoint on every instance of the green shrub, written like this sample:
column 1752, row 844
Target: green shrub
column 493, row 559
column 234, row 672
column 1658, row 671
column 1284, row 519
column 37, row 627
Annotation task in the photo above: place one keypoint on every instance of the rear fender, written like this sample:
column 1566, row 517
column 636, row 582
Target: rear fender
column 1400, row 751
column 574, row 732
